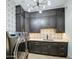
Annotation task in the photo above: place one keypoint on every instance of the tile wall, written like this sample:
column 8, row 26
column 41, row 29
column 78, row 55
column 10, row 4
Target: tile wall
column 51, row 35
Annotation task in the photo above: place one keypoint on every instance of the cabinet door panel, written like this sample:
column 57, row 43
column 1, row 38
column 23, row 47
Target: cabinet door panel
column 35, row 47
column 60, row 21
column 34, row 25
column 44, row 48
column 48, row 22
column 18, row 23
column 52, row 21
column 22, row 23
column 53, row 48
column 62, row 49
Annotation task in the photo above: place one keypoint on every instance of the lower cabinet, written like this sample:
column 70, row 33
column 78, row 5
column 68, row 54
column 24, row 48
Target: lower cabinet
column 48, row 48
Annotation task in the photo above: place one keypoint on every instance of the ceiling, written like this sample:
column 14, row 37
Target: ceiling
column 54, row 4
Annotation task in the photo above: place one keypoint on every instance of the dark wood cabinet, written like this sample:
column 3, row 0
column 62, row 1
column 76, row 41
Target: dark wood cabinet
column 60, row 20
column 45, row 20
column 33, row 21
column 48, row 48
column 20, row 19
column 54, row 18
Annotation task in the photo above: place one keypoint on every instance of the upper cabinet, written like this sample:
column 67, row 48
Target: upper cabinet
column 60, row 20
column 45, row 20
column 34, row 21
column 20, row 19
column 54, row 18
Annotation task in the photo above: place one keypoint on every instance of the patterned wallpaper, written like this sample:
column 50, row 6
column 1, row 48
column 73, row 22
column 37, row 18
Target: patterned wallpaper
column 10, row 14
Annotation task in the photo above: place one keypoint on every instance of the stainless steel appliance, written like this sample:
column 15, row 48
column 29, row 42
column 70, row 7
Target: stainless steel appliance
column 15, row 39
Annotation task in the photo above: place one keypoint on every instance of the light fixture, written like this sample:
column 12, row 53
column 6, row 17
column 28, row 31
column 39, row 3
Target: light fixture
column 43, row 7
column 38, row 5
column 34, row 0
column 49, row 3
column 29, row 10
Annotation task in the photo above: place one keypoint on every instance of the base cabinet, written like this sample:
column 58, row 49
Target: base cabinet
column 48, row 48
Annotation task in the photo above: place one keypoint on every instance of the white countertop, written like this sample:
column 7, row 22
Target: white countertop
column 54, row 40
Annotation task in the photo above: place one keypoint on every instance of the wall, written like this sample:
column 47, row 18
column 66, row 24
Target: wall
column 68, row 25
column 10, row 15
column 10, row 20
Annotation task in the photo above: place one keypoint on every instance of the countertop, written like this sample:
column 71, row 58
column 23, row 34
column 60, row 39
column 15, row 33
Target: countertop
column 57, row 40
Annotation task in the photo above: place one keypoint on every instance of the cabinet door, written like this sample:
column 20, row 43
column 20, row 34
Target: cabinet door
column 43, row 22
column 60, row 21
column 34, row 25
column 34, row 47
column 62, row 49
column 22, row 23
column 53, row 49
column 44, row 48
column 51, row 21
column 18, row 23
column 48, row 22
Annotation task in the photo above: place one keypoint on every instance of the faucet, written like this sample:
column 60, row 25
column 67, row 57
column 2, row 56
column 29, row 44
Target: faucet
column 47, row 36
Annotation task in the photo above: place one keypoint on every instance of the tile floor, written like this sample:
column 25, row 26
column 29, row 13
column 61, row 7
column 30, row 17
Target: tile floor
column 38, row 56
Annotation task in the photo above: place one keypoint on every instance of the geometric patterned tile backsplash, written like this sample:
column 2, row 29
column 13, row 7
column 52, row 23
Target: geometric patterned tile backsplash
column 50, row 32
